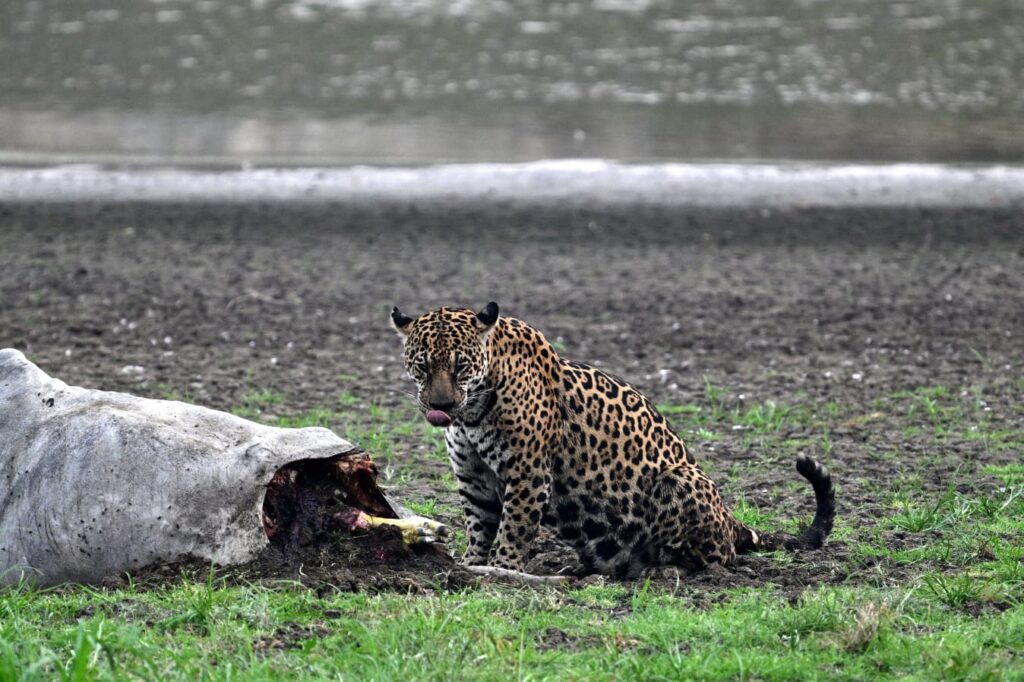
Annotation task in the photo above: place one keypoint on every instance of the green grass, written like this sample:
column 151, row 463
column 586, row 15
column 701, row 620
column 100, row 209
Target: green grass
column 168, row 392
column 212, row 631
column 930, row 588
column 256, row 402
column 719, row 414
column 1010, row 474
column 764, row 417
column 754, row 516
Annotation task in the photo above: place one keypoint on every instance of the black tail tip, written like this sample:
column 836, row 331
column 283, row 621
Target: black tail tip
column 824, row 495
column 806, row 466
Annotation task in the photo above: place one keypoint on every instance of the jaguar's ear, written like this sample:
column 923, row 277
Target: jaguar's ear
column 488, row 316
column 400, row 321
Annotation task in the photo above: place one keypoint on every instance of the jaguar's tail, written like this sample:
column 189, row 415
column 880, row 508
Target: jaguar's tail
column 814, row 535
column 824, row 496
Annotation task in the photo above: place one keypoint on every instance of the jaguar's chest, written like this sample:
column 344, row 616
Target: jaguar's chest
column 484, row 443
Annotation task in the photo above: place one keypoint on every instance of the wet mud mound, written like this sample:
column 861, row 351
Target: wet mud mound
column 373, row 561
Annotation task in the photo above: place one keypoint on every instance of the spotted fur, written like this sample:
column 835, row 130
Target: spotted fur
column 535, row 439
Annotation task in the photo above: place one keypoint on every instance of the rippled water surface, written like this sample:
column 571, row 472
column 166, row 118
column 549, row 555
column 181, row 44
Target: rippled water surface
column 337, row 81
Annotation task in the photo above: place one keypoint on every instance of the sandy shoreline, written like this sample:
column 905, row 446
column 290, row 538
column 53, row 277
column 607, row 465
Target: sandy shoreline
column 580, row 182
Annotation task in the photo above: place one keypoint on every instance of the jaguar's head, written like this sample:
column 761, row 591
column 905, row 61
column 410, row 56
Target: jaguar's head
column 446, row 354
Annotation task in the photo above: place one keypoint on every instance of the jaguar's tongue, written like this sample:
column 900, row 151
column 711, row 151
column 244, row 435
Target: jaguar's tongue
column 438, row 418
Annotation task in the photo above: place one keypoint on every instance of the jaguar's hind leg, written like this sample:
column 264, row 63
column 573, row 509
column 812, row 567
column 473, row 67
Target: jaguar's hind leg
column 692, row 526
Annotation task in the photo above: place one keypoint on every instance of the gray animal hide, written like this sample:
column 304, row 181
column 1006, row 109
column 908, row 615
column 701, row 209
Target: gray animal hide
column 94, row 483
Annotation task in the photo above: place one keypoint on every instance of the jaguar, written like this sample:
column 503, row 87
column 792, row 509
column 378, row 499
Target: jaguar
column 536, row 440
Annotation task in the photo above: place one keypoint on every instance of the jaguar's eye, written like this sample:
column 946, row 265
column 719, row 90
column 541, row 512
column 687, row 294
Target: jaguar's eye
column 459, row 367
column 419, row 367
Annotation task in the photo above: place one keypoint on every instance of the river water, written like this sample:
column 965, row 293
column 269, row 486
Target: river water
column 335, row 82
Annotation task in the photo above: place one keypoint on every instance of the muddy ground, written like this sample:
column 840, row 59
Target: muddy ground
column 800, row 306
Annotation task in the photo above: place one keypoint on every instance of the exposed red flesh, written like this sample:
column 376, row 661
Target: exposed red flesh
column 308, row 498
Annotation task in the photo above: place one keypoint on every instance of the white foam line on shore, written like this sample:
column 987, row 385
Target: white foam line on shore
column 583, row 181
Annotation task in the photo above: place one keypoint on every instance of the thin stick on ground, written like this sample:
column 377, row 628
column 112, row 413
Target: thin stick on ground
column 518, row 576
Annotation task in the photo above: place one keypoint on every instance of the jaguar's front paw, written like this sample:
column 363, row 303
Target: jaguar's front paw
column 508, row 561
column 664, row 573
column 473, row 559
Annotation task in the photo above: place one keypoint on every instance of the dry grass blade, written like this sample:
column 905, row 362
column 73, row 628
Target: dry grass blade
column 869, row 620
